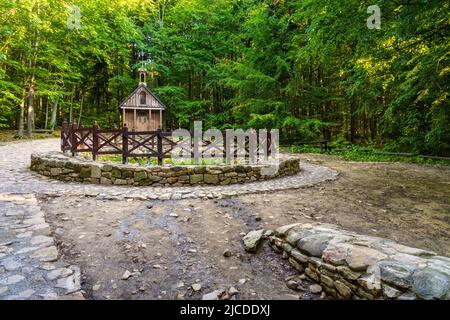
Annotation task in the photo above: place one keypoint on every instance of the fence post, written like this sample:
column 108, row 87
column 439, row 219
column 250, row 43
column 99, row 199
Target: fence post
column 73, row 139
column 160, row 147
column 95, row 129
column 125, row 144
column 64, row 134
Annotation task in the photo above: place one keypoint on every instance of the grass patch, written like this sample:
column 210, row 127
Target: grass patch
column 11, row 135
column 153, row 161
column 367, row 154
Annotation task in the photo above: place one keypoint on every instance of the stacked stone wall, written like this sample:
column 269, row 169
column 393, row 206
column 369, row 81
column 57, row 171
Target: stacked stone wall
column 353, row 266
column 61, row 167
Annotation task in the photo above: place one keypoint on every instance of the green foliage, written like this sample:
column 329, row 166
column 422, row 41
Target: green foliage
column 311, row 68
column 368, row 154
column 303, row 129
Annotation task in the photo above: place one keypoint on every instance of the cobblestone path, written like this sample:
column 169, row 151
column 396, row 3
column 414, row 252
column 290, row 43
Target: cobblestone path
column 15, row 177
column 30, row 266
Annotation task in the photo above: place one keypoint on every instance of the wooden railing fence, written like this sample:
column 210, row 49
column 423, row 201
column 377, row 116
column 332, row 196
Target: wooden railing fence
column 130, row 144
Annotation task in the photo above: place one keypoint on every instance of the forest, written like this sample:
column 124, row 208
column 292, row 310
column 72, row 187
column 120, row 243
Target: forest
column 311, row 68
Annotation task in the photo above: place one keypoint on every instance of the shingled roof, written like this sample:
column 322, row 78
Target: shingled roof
column 143, row 86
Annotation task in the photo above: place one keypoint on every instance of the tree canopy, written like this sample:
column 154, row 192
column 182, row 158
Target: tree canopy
column 312, row 68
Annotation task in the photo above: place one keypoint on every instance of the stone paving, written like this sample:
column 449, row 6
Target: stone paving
column 15, row 177
column 30, row 267
column 29, row 264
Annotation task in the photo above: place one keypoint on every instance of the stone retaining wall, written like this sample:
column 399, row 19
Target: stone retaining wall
column 61, row 167
column 352, row 266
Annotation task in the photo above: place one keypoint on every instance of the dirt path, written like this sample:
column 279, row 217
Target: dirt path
column 170, row 245
column 405, row 202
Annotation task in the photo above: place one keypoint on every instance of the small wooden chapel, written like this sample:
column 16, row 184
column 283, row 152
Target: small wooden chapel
column 142, row 110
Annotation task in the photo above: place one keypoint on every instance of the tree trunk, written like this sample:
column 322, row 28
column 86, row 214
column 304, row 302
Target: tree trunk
column 54, row 114
column 365, row 127
column 71, row 110
column 162, row 9
column 46, row 115
column 30, row 116
column 21, row 122
column 81, row 109
column 352, row 122
column 373, row 127
column 190, row 89
column 32, row 65
column 310, row 82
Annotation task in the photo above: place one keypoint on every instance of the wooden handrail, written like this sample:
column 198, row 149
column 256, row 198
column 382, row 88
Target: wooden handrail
column 130, row 144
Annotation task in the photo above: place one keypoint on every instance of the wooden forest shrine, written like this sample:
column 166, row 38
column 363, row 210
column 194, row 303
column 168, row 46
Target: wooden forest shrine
column 142, row 110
